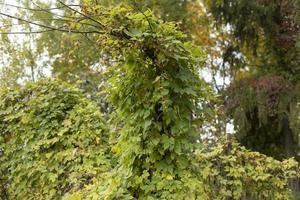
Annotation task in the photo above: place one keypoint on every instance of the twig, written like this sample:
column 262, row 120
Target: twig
column 49, row 27
column 82, row 14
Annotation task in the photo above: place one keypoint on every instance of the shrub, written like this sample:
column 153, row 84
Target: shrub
column 53, row 141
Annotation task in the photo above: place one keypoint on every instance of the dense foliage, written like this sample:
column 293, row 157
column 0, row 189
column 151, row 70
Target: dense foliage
column 53, row 141
column 229, row 171
column 159, row 102
column 158, row 135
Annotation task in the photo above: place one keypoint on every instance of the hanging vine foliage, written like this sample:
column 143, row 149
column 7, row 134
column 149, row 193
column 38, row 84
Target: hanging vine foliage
column 261, row 109
column 159, row 99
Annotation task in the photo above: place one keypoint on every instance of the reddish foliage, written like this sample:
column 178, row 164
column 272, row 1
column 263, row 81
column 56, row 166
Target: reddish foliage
column 267, row 90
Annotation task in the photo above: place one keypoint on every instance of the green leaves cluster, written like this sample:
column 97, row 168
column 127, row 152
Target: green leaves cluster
column 53, row 141
column 229, row 171
column 159, row 100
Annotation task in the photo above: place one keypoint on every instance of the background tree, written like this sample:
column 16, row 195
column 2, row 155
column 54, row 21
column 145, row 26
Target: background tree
column 265, row 91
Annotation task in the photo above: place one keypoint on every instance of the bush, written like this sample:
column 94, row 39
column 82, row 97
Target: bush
column 53, row 141
column 229, row 171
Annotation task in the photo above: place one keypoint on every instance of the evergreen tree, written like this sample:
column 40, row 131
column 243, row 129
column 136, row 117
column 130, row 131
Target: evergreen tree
column 264, row 96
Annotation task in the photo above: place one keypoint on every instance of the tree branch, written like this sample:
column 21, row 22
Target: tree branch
column 49, row 27
column 48, row 11
column 38, row 10
column 80, row 13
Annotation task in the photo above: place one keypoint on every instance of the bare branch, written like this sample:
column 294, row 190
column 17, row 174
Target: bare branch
column 50, row 27
column 47, row 30
column 80, row 13
column 38, row 10
column 25, row 33
column 54, row 14
column 52, row 19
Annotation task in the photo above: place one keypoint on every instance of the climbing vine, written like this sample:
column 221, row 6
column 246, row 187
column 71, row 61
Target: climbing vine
column 53, row 141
